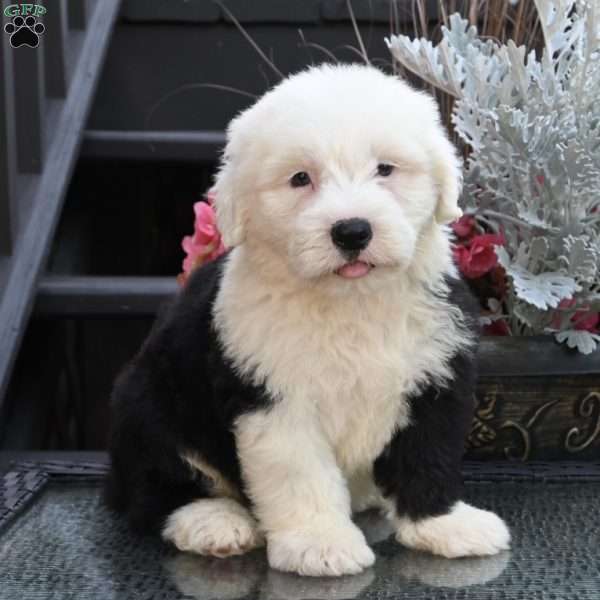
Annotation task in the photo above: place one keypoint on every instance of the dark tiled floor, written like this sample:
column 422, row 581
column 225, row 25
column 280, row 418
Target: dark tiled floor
column 68, row 546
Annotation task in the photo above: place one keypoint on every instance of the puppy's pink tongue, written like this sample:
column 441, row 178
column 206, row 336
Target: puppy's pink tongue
column 354, row 270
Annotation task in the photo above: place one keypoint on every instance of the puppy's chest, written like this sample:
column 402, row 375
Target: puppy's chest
column 358, row 378
column 353, row 372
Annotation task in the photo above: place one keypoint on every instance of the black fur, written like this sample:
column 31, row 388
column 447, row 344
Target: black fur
column 421, row 466
column 180, row 394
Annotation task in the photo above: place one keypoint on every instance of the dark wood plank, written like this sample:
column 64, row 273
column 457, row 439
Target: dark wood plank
column 535, row 356
column 18, row 294
column 54, row 49
column 78, row 296
column 7, row 148
column 77, row 14
column 291, row 12
column 203, row 11
column 375, row 11
column 154, row 145
column 275, row 11
column 29, row 107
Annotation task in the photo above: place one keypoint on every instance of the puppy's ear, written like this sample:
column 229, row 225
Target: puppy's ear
column 227, row 205
column 447, row 170
column 229, row 188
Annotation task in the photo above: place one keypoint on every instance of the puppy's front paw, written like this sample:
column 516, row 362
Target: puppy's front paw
column 213, row 527
column 339, row 550
column 464, row 531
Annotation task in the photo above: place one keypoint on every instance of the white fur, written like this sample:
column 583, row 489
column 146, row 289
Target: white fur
column 324, row 547
column 464, row 531
column 216, row 527
column 339, row 357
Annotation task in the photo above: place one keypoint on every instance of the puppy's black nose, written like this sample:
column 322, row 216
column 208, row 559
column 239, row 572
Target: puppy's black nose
column 351, row 234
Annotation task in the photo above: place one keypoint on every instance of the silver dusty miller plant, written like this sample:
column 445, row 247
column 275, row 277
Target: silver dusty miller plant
column 533, row 125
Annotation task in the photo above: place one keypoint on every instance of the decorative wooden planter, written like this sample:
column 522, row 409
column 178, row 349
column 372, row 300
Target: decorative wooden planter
column 536, row 400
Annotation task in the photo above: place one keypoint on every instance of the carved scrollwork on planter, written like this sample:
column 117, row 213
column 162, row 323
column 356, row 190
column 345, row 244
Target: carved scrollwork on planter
column 528, row 426
column 589, row 408
column 482, row 433
column 524, row 432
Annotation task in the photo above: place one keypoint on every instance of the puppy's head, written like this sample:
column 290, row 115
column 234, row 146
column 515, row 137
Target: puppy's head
column 339, row 171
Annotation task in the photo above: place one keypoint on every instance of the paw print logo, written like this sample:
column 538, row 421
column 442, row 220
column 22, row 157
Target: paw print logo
column 24, row 32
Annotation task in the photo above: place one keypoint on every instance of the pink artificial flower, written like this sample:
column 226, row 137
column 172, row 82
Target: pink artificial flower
column 205, row 244
column 478, row 256
column 464, row 227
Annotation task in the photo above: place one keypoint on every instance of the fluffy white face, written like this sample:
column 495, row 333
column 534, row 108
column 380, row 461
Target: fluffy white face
column 338, row 171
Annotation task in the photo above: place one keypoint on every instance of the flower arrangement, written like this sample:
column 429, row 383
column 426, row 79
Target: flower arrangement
column 532, row 177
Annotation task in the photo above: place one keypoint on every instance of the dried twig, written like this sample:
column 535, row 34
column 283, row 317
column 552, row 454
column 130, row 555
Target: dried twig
column 254, row 45
column 363, row 50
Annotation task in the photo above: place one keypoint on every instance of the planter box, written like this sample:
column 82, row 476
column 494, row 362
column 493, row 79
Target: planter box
column 536, row 400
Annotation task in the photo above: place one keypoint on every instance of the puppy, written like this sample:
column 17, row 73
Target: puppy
column 325, row 363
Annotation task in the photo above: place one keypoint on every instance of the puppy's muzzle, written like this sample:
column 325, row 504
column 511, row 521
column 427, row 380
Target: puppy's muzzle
column 351, row 235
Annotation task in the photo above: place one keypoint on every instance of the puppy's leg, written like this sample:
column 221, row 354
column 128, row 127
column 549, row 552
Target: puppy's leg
column 213, row 526
column 419, row 473
column 299, row 494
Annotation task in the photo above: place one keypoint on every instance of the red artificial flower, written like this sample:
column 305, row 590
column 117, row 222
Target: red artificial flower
column 478, row 257
column 584, row 320
column 464, row 227
column 205, row 243
column 497, row 327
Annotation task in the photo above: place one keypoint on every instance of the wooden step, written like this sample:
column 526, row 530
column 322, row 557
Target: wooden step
column 195, row 146
column 86, row 296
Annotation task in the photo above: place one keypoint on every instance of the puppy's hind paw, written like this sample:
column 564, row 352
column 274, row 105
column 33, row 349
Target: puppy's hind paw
column 214, row 527
column 325, row 552
column 464, row 531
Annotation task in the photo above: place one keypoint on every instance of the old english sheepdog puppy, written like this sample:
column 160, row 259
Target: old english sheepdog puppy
column 324, row 365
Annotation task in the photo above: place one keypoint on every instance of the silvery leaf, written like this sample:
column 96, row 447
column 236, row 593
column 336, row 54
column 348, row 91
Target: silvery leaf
column 439, row 66
column 545, row 290
column 584, row 341
column 580, row 259
column 560, row 32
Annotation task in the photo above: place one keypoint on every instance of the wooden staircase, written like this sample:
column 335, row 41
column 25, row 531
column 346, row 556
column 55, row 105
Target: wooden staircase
column 45, row 96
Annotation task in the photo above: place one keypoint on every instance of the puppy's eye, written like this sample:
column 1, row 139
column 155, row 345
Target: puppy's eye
column 300, row 179
column 384, row 169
